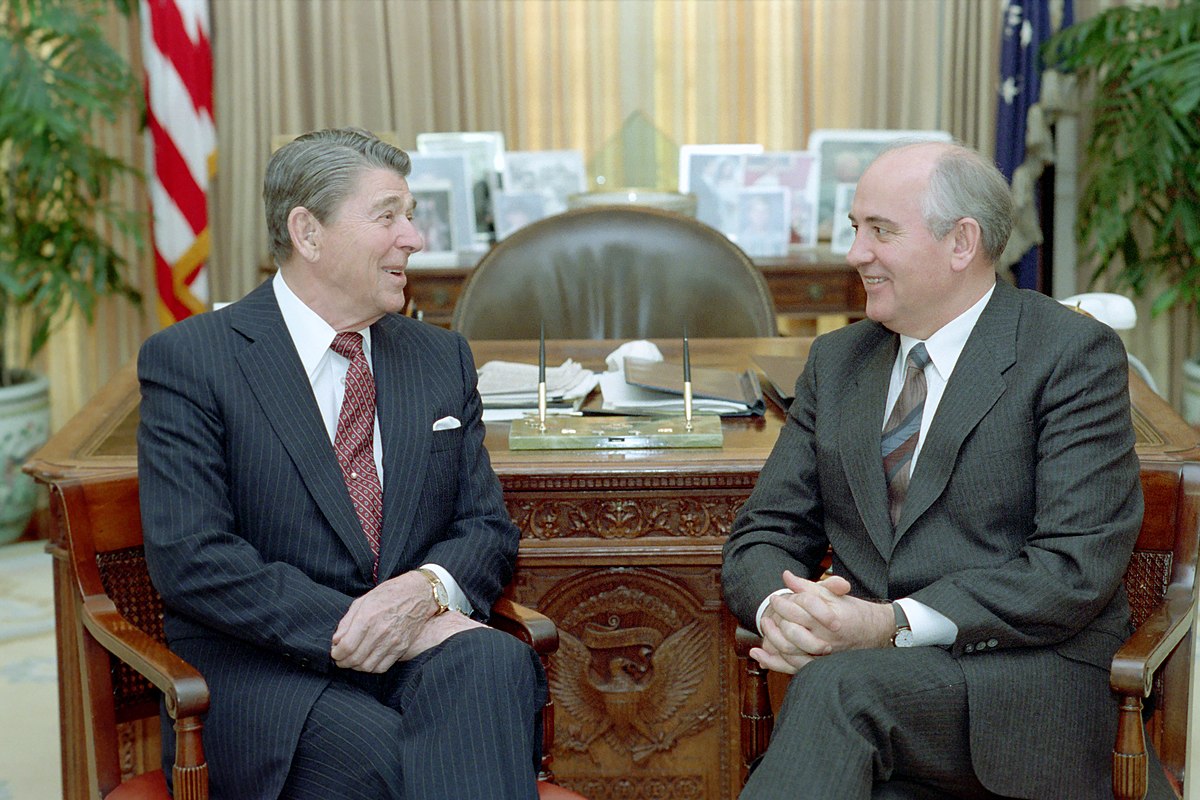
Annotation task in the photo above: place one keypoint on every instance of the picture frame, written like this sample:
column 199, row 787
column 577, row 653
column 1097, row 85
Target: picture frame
column 764, row 220
column 798, row 171
column 843, row 156
column 555, row 175
column 433, row 216
column 714, row 173
column 842, row 236
column 484, row 151
column 433, row 171
column 515, row 210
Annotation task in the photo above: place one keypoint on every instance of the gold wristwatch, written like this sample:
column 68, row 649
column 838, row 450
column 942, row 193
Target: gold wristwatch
column 903, row 637
column 441, row 597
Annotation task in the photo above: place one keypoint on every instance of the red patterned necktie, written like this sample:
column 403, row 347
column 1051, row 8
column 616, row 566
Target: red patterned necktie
column 355, row 440
column 903, row 429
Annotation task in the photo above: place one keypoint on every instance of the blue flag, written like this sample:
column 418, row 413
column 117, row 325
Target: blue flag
column 1026, row 25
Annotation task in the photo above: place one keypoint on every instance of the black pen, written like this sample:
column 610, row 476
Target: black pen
column 687, row 382
column 542, row 377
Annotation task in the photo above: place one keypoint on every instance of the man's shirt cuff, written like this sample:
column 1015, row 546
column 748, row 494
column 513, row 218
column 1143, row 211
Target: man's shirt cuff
column 929, row 627
column 458, row 599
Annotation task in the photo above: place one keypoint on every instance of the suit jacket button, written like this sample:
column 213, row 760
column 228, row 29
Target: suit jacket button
column 992, row 643
column 969, row 648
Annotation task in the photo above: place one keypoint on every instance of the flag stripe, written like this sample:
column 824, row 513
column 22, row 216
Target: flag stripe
column 177, row 57
column 192, row 60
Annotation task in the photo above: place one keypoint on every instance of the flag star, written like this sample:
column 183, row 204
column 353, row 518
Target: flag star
column 1013, row 17
column 1009, row 90
column 1026, row 33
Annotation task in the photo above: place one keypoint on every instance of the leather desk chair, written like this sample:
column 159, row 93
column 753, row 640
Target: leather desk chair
column 1155, row 662
column 615, row 272
column 125, row 666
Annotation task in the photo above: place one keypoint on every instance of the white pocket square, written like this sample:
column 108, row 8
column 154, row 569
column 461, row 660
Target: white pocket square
column 447, row 424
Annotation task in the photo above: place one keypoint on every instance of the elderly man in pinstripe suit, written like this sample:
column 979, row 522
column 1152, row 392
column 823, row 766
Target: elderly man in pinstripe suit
column 961, row 646
column 335, row 605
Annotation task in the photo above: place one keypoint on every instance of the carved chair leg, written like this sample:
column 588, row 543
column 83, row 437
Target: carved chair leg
column 757, row 717
column 546, row 773
column 1129, row 752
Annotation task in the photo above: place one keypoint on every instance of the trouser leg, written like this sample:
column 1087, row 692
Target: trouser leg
column 853, row 721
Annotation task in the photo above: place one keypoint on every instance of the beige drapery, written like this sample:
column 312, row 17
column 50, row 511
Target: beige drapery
column 549, row 74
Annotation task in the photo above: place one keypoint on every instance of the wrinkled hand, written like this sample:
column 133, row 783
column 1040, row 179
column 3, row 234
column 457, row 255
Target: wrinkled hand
column 818, row 618
column 392, row 622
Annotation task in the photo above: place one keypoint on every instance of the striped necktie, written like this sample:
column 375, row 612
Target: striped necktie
column 354, row 440
column 903, row 429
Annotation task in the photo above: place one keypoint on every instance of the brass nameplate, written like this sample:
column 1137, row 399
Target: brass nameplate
column 564, row 432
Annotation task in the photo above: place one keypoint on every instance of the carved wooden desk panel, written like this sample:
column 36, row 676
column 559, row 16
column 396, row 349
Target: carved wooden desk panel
column 621, row 549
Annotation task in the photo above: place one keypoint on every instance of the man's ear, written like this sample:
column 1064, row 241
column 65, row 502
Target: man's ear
column 305, row 231
column 966, row 242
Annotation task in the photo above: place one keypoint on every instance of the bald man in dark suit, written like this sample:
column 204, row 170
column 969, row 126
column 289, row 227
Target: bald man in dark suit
column 960, row 646
column 330, row 579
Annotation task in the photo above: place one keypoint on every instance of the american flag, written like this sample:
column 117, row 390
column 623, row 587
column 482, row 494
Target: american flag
column 182, row 138
column 1026, row 25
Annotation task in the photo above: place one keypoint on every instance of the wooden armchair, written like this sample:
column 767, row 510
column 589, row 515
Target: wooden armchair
column 126, row 667
column 1154, row 662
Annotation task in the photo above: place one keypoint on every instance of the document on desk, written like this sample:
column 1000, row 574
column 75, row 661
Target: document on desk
column 656, row 387
column 509, row 388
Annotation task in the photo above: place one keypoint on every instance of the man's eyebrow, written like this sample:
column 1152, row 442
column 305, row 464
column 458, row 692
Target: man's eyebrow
column 875, row 219
column 393, row 201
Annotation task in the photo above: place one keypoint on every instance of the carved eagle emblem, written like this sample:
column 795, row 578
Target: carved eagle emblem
column 629, row 686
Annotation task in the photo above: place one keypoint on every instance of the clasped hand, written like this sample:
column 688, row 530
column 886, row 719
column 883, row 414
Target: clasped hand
column 816, row 619
column 393, row 622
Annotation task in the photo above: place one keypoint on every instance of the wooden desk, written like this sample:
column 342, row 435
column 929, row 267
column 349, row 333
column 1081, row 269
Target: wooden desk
column 808, row 287
column 620, row 548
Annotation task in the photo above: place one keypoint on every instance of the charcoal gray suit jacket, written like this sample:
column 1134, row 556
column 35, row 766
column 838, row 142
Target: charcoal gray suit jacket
column 251, row 536
column 1021, row 514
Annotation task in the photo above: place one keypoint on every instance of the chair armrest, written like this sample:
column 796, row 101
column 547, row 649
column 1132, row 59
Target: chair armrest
column 1134, row 665
column 183, row 688
column 744, row 640
column 531, row 627
column 182, row 685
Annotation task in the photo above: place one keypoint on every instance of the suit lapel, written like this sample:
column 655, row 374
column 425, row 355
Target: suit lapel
column 974, row 387
column 276, row 377
column 861, row 430
column 399, row 373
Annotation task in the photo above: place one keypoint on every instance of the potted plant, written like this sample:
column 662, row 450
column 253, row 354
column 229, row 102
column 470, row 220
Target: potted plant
column 60, row 78
column 1139, row 215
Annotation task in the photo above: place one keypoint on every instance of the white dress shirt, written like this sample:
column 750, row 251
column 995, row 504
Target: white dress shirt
column 929, row 627
column 326, row 371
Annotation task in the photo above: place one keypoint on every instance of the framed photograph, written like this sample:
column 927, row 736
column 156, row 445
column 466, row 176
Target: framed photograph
column 484, row 151
column 715, row 174
column 515, row 210
column 844, row 154
column 764, row 220
column 797, row 171
column 433, row 216
column 448, row 170
column 555, row 175
column 843, row 233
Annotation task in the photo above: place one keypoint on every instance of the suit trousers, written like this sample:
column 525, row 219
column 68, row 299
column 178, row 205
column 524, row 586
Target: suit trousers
column 463, row 719
column 884, row 723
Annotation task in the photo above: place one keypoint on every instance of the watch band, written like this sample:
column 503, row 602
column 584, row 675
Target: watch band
column 441, row 597
column 903, row 637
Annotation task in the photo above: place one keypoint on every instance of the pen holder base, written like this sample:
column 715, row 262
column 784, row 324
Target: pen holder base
column 615, row 433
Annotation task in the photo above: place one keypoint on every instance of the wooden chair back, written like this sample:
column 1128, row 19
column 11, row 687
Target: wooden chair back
column 1155, row 662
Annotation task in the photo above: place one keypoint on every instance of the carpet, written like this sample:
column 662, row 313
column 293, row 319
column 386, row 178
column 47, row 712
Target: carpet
column 29, row 758
column 26, row 599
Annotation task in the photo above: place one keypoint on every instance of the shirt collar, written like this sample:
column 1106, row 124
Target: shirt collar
column 946, row 345
column 311, row 334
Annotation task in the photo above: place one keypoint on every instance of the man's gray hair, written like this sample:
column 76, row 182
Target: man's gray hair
column 965, row 184
column 318, row 171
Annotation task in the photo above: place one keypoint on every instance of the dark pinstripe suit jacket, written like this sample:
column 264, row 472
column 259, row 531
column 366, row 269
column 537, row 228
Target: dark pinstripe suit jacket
column 250, row 533
column 1021, row 514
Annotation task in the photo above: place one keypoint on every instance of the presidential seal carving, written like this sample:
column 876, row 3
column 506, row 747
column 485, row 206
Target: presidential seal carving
column 627, row 670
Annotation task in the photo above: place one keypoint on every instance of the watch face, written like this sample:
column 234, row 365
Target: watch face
column 903, row 638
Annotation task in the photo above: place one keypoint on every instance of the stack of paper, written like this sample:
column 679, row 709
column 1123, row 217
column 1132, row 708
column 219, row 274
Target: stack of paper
column 644, row 386
column 509, row 388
